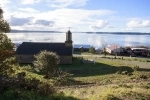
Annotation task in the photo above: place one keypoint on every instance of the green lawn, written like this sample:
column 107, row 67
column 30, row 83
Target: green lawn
column 107, row 80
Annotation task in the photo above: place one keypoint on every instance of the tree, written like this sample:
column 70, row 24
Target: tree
column 47, row 62
column 6, row 46
column 4, row 26
column 92, row 50
column 5, row 43
column 104, row 45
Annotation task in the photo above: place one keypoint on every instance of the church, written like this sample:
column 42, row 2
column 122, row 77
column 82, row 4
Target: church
column 26, row 51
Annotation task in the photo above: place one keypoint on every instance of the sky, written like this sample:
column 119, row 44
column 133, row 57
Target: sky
column 79, row 15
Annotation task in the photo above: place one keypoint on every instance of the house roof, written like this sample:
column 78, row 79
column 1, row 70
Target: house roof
column 113, row 46
column 31, row 48
column 81, row 45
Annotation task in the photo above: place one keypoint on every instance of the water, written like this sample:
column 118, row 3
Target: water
column 94, row 39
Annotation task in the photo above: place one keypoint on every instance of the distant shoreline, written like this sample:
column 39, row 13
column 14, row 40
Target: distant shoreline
column 118, row 33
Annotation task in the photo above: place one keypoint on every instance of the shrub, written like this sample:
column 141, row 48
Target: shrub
column 7, row 66
column 124, row 70
column 92, row 50
column 148, row 60
column 63, row 78
column 136, row 68
column 143, row 76
column 28, row 82
column 47, row 62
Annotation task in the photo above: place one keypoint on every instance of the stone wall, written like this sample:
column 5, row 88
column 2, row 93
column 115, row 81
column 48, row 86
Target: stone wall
column 30, row 59
column 25, row 58
column 66, row 60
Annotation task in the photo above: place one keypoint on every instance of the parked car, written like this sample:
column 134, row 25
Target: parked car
column 139, row 51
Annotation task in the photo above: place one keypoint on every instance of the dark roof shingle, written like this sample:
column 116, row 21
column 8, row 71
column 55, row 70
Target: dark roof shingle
column 31, row 48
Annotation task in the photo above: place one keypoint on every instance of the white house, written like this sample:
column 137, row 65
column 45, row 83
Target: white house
column 114, row 49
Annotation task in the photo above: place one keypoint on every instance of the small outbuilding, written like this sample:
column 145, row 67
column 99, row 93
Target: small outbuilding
column 77, row 48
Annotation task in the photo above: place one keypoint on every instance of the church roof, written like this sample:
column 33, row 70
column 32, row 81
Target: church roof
column 32, row 48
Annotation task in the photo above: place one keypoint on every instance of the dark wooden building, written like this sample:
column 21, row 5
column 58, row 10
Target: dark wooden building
column 26, row 51
column 78, row 48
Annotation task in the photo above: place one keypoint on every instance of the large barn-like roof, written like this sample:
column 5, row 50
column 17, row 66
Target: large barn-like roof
column 32, row 48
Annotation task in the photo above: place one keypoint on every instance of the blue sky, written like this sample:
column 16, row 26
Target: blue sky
column 80, row 15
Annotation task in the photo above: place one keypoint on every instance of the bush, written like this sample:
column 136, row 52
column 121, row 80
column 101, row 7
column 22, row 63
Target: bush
column 143, row 76
column 19, row 94
column 28, row 82
column 63, row 78
column 47, row 62
column 34, row 82
column 7, row 66
column 92, row 50
column 136, row 68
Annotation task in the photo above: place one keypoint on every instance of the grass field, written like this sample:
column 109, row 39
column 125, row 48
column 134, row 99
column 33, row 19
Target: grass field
column 107, row 79
column 92, row 77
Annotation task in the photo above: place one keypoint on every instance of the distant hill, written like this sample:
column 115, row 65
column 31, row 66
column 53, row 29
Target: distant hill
column 118, row 33
column 18, row 31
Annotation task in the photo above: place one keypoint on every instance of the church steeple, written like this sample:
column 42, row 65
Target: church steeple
column 68, row 41
column 68, row 35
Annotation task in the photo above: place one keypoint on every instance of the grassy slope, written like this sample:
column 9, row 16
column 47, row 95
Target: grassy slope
column 101, row 81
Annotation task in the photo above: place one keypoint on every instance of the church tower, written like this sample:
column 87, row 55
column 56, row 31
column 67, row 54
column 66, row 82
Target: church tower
column 68, row 41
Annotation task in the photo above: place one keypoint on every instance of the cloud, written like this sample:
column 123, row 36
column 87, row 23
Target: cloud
column 66, row 3
column 4, row 2
column 99, row 24
column 20, row 11
column 25, row 2
column 110, row 26
column 14, row 21
column 28, row 10
column 30, row 23
column 56, row 3
column 58, row 19
column 4, row 5
column 45, row 22
column 138, row 23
